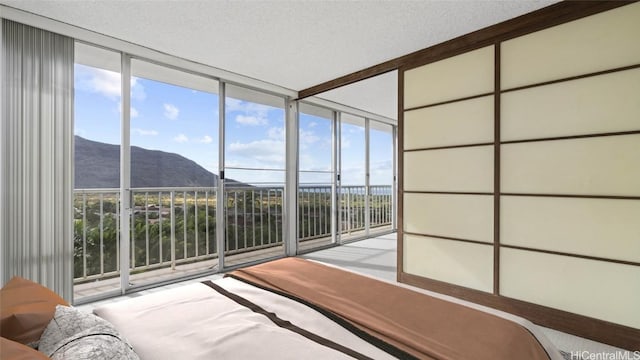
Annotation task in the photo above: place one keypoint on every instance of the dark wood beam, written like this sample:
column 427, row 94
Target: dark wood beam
column 540, row 19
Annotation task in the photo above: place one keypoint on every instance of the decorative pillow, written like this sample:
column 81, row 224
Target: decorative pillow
column 101, row 342
column 67, row 322
column 73, row 334
column 25, row 309
column 11, row 350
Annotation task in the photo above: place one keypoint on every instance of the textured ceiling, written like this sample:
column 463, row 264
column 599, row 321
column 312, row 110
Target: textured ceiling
column 295, row 44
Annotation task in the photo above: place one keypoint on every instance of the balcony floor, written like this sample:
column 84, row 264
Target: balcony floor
column 377, row 257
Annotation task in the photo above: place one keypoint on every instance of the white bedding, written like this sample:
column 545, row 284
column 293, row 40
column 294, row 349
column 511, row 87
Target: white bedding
column 196, row 322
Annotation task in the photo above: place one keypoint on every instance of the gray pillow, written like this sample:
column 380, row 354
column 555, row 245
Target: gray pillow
column 66, row 322
column 100, row 342
column 73, row 334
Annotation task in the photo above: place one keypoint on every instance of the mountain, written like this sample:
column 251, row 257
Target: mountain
column 97, row 165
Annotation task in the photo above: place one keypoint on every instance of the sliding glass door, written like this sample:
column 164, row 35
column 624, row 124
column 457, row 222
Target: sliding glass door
column 381, row 177
column 96, row 198
column 254, row 173
column 345, row 177
column 316, row 177
column 173, row 131
column 146, row 179
column 353, row 177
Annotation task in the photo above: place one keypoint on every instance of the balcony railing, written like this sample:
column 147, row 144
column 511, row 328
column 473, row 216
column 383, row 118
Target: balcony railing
column 173, row 226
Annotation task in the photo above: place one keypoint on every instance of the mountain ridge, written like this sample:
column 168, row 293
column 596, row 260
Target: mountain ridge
column 97, row 165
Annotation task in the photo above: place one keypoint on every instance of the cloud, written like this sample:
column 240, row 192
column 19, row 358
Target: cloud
column 171, row 112
column 251, row 114
column 384, row 165
column 181, row 138
column 312, row 124
column 143, row 132
column 137, row 89
column 307, row 137
column 251, row 120
column 382, row 172
column 276, row 133
column 133, row 111
column 232, row 105
column 266, row 150
column 352, row 174
column 105, row 82
column 212, row 166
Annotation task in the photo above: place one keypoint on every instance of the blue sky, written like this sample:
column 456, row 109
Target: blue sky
column 185, row 121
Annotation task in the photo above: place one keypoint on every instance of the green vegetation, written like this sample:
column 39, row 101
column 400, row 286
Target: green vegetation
column 249, row 224
column 253, row 220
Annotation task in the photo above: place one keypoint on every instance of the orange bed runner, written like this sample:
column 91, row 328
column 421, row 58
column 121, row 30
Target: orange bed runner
column 417, row 324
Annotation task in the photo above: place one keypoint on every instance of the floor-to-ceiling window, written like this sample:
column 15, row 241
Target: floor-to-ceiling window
column 316, row 177
column 171, row 172
column 173, row 126
column 148, row 196
column 254, row 173
column 381, row 176
column 97, row 171
column 353, row 176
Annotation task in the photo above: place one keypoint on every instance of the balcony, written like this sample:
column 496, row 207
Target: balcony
column 173, row 230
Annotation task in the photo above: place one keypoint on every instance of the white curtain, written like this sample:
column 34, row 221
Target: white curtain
column 36, row 144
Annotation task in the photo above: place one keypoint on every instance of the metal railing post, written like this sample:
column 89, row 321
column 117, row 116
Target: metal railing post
column 84, row 235
column 173, row 230
column 195, row 221
column 132, row 231
column 146, row 227
column 185, row 209
column 161, row 257
column 101, row 234
column 206, row 223
column 367, row 177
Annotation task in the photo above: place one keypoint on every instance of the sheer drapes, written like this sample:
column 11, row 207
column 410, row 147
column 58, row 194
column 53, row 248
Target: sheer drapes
column 36, row 142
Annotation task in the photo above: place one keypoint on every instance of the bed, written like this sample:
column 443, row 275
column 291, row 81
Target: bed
column 284, row 309
column 300, row 309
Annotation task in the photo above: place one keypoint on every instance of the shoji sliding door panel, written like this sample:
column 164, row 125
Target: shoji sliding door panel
column 465, row 264
column 457, row 169
column 520, row 169
column 463, row 122
column 604, row 228
column 450, row 215
column 570, row 167
column 596, row 43
column 461, row 76
column 599, row 104
column 602, row 290
column 448, row 170
column 607, row 165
